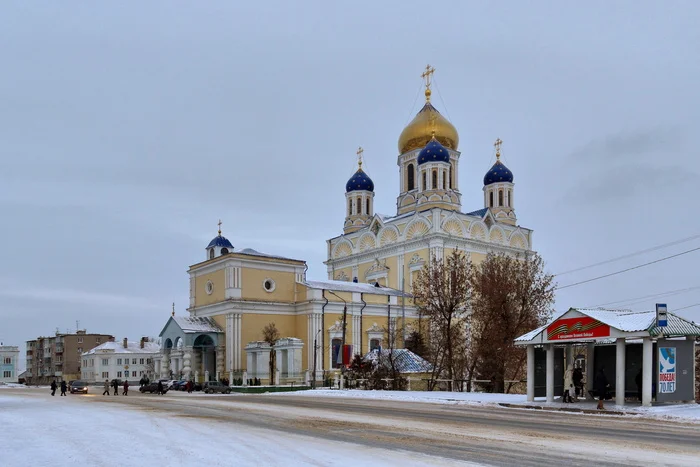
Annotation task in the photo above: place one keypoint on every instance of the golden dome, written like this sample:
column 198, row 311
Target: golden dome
column 420, row 130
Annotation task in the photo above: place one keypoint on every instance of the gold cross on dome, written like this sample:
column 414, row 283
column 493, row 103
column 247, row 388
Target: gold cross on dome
column 427, row 75
column 497, row 145
column 359, row 156
column 219, row 226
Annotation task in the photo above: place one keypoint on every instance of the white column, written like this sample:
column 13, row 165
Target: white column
column 620, row 372
column 550, row 373
column 647, row 362
column 530, row 373
column 229, row 342
column 590, row 368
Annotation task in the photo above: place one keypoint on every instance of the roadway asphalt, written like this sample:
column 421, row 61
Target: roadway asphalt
column 478, row 434
column 483, row 435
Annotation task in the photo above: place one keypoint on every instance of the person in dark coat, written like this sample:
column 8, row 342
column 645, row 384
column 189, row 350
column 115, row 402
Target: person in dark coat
column 126, row 388
column 601, row 386
column 106, row 391
column 63, row 388
column 53, row 387
column 115, row 385
column 160, row 387
column 190, row 386
column 578, row 382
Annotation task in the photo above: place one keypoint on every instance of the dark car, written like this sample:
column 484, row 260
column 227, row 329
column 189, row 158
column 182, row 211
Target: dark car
column 152, row 387
column 215, row 387
column 79, row 387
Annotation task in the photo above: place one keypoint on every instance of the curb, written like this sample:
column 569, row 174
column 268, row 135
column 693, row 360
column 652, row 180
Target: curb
column 564, row 409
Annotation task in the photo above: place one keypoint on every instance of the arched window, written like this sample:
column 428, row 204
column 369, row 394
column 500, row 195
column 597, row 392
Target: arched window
column 350, row 207
column 358, row 205
column 410, row 175
column 510, row 195
column 367, row 206
column 425, row 181
column 224, row 251
column 491, row 198
column 500, row 197
column 444, row 179
column 211, row 253
column 435, row 180
column 450, row 176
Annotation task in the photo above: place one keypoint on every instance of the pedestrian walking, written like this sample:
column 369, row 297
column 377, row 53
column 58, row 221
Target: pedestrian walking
column 578, row 382
column 63, row 388
column 568, row 384
column 106, row 391
column 115, row 385
column 53, row 387
column 190, row 386
column 160, row 387
column 126, row 388
column 601, row 387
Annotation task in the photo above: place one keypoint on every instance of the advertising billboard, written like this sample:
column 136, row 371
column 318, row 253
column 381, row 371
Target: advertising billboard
column 584, row 327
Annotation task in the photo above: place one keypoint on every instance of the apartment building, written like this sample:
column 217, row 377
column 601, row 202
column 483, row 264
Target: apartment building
column 120, row 360
column 9, row 359
column 59, row 357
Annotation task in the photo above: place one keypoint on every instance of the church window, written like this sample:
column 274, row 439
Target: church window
column 367, row 206
column 425, row 181
column 224, row 251
column 509, row 196
column 500, row 197
column 373, row 344
column 444, row 179
column 349, row 207
column 211, row 253
column 336, row 353
column 450, row 176
column 209, row 287
column 269, row 285
column 358, row 205
column 435, row 180
column 410, row 174
column 491, row 198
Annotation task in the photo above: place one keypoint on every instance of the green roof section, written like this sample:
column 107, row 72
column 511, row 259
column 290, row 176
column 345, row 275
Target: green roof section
column 677, row 327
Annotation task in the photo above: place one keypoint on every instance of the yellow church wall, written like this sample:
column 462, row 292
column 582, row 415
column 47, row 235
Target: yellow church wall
column 252, row 281
column 340, row 272
column 218, row 280
column 221, row 321
column 301, row 329
column 339, row 296
column 252, row 328
column 477, row 258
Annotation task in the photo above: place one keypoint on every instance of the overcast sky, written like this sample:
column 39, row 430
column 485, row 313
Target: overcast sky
column 127, row 130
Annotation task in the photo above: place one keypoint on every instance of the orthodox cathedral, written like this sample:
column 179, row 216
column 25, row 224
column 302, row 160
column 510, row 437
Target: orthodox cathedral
column 366, row 300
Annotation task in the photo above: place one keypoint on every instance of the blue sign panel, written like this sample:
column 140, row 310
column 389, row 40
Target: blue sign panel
column 661, row 315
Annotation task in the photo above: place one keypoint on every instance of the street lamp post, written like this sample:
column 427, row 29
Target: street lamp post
column 313, row 376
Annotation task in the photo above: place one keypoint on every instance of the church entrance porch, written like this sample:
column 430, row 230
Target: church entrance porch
column 191, row 350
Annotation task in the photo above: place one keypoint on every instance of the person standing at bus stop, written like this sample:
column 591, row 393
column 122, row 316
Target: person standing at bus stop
column 601, row 387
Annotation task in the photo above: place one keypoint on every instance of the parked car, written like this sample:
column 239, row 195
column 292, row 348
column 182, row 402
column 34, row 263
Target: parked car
column 179, row 385
column 78, row 386
column 152, row 387
column 211, row 387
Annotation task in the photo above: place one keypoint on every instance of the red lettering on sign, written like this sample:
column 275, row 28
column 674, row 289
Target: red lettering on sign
column 584, row 327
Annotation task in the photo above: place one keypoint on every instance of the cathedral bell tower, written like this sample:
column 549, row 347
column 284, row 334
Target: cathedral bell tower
column 359, row 199
column 428, row 160
column 498, row 190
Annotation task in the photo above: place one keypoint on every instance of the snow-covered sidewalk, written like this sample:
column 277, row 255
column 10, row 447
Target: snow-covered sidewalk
column 66, row 431
column 683, row 412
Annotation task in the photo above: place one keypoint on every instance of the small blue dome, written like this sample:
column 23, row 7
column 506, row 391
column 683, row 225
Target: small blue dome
column 433, row 152
column 498, row 173
column 359, row 182
column 221, row 242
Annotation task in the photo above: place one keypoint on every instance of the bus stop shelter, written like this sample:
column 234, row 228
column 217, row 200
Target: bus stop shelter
column 667, row 356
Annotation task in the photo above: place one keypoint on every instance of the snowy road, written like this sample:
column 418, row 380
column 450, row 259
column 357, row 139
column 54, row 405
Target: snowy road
column 292, row 430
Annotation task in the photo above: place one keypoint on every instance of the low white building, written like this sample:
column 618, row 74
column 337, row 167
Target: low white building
column 119, row 360
column 9, row 355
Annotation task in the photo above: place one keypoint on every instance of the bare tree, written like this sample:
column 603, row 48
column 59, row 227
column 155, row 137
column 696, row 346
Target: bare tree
column 271, row 335
column 442, row 293
column 511, row 296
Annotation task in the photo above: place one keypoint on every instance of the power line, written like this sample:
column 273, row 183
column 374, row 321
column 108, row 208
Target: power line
column 644, row 297
column 629, row 255
column 628, row 269
column 413, row 106
column 686, row 307
column 442, row 100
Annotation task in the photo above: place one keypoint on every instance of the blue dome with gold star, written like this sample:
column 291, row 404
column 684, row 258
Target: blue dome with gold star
column 220, row 241
column 498, row 173
column 433, row 152
column 360, row 181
